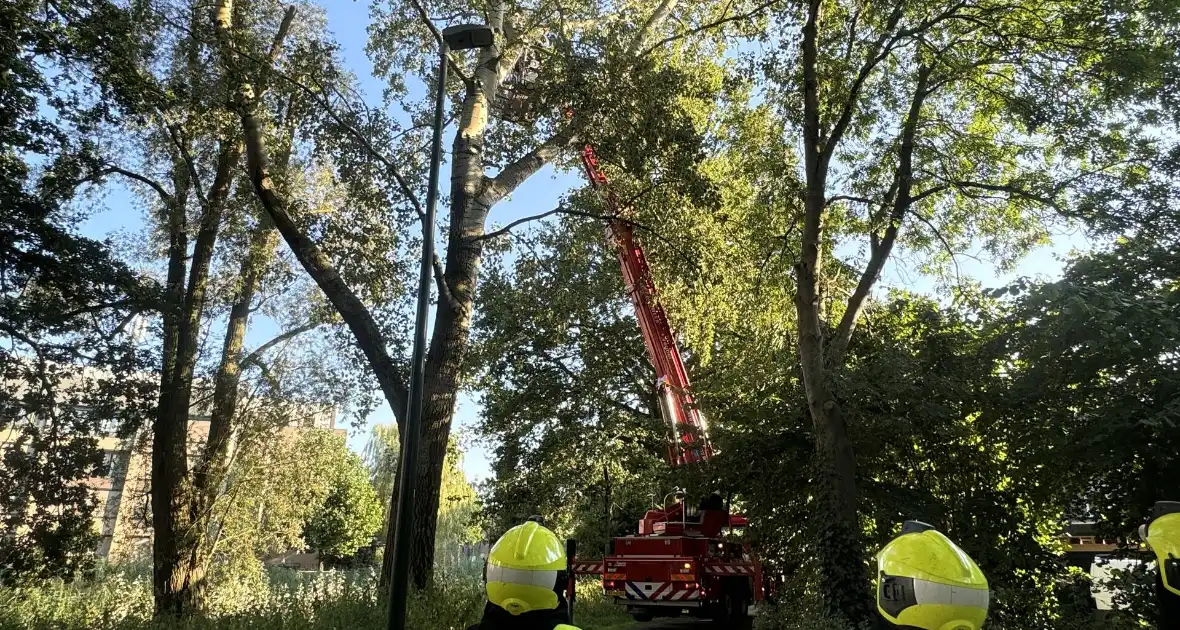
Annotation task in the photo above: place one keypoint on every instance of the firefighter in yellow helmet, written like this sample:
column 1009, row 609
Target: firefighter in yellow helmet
column 1162, row 535
column 926, row 582
column 526, row 575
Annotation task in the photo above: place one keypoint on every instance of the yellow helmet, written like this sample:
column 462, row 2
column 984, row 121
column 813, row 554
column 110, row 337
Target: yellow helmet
column 926, row 581
column 523, row 569
column 1162, row 535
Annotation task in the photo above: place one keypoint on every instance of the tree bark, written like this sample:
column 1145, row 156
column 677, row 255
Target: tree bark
column 839, row 546
column 210, row 474
column 657, row 17
column 177, row 533
column 354, row 313
column 169, row 441
column 472, row 197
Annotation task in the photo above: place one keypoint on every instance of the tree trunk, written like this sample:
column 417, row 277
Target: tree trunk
column 452, row 326
column 472, row 195
column 175, row 531
column 169, row 440
column 839, row 546
column 898, row 200
column 210, row 474
column 390, row 520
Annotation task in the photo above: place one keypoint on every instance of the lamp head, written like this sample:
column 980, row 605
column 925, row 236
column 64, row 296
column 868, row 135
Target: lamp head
column 465, row 36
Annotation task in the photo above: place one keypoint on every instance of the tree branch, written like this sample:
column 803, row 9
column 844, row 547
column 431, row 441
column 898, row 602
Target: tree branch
column 945, row 244
column 178, row 141
column 576, row 379
column 812, row 134
column 657, row 17
column 323, row 101
column 276, row 48
column 863, row 200
column 901, row 203
column 875, row 56
column 1010, row 189
column 402, row 184
column 257, row 353
column 94, row 308
column 444, row 290
column 536, row 217
column 165, row 196
column 360, row 321
column 517, row 172
column 455, row 67
column 711, row 25
column 933, row 190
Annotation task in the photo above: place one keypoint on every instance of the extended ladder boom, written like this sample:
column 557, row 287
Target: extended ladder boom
column 690, row 433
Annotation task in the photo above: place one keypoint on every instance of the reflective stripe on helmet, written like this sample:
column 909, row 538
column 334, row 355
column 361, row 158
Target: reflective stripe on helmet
column 524, row 577
column 927, row 592
column 896, row 594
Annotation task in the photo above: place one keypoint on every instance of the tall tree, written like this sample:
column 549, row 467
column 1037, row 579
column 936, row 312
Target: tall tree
column 349, row 515
column 929, row 115
column 1095, row 365
column 552, row 57
column 69, row 363
column 567, row 390
column 155, row 106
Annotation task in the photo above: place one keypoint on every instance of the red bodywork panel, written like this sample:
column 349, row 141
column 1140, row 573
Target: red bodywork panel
column 672, row 522
column 690, row 433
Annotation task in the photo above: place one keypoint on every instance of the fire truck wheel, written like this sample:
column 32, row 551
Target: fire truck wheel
column 642, row 617
column 732, row 608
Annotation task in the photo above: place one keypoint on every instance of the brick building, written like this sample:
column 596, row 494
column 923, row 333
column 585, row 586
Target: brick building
column 122, row 517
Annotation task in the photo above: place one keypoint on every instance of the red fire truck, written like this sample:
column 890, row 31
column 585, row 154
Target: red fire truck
column 681, row 561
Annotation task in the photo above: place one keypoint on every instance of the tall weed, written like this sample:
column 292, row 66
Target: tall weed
column 277, row 599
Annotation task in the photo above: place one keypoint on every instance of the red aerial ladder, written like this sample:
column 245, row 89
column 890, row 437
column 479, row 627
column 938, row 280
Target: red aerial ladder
column 689, row 442
column 680, row 561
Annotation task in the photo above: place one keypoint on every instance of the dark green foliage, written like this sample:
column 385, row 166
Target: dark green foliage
column 567, row 391
column 993, row 421
column 1096, row 380
column 69, row 368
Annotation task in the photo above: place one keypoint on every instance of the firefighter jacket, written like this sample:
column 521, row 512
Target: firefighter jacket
column 496, row 618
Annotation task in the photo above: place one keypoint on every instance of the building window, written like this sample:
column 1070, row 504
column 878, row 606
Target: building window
column 112, row 463
column 109, row 427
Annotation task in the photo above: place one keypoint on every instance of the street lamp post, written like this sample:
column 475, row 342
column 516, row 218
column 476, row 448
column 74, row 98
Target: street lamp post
column 460, row 37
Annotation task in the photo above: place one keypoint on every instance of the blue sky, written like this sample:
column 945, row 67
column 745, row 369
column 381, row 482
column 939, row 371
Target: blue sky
column 348, row 20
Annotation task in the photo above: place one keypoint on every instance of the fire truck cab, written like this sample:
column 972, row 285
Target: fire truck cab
column 681, row 562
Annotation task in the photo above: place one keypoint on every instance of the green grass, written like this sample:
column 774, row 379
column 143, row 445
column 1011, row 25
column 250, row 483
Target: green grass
column 279, row 600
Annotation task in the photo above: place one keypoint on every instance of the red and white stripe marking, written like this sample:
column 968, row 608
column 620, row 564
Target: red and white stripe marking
column 662, row 591
column 729, row 569
column 590, row 567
